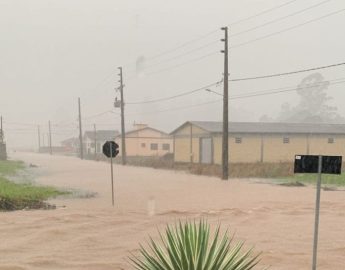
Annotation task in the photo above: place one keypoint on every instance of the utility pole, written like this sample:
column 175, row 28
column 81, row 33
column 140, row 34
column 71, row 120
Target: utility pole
column 123, row 135
column 50, row 139
column 39, row 138
column 1, row 131
column 225, row 142
column 95, row 134
column 80, row 132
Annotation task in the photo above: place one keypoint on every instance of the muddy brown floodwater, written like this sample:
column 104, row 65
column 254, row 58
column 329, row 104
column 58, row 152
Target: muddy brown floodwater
column 91, row 234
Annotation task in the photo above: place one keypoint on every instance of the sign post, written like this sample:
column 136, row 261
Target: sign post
column 317, row 164
column 317, row 212
column 110, row 149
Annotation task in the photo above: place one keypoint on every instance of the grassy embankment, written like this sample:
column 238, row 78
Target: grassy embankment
column 16, row 196
column 280, row 173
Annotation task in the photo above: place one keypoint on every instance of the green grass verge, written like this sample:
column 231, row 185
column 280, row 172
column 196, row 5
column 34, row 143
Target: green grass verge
column 16, row 196
column 327, row 179
column 10, row 167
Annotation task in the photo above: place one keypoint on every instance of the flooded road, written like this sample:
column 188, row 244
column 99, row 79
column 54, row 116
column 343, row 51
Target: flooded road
column 88, row 233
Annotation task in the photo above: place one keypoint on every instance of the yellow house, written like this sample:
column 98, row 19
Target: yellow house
column 201, row 142
column 146, row 141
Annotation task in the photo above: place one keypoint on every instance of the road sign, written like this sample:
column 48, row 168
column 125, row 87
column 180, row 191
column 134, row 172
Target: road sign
column 110, row 149
column 317, row 164
column 309, row 164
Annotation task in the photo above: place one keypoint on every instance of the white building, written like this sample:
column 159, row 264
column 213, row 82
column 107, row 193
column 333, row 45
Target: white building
column 94, row 141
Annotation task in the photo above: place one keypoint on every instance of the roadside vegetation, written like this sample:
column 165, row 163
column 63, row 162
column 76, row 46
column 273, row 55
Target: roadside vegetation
column 17, row 196
column 190, row 246
column 327, row 179
column 280, row 173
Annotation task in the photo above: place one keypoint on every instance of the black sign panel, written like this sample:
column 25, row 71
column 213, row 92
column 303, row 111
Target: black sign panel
column 310, row 163
column 110, row 149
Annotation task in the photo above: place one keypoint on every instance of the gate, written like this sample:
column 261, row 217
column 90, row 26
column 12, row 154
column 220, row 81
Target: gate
column 206, row 150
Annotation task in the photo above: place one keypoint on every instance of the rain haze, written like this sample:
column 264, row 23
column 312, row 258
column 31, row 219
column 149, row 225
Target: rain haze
column 121, row 119
column 53, row 52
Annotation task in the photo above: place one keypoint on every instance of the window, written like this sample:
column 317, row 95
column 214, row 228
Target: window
column 166, row 146
column 286, row 140
column 330, row 140
column 238, row 140
column 143, row 145
column 154, row 146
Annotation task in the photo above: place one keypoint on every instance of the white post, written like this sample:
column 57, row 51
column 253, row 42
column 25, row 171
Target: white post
column 317, row 213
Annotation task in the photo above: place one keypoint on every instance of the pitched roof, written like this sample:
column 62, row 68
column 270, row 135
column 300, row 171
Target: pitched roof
column 101, row 135
column 268, row 127
column 70, row 140
column 145, row 128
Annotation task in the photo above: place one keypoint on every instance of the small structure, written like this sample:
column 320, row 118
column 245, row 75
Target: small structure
column 70, row 145
column 201, row 142
column 93, row 141
column 145, row 141
column 3, row 151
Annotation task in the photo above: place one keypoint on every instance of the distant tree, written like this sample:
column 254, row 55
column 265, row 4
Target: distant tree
column 313, row 106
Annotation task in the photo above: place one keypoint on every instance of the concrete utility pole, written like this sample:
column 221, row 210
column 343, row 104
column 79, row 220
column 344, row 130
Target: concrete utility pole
column 50, row 139
column 80, row 132
column 317, row 213
column 123, row 132
column 225, row 142
column 1, row 131
column 95, row 134
column 39, row 138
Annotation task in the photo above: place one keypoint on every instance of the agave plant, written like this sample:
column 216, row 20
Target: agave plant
column 188, row 246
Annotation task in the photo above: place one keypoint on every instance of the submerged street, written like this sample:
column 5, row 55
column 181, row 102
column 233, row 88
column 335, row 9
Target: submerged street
column 86, row 232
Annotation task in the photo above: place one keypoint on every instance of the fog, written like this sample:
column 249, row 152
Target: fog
column 52, row 52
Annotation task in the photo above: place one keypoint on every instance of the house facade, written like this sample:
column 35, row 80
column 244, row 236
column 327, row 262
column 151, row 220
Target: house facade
column 146, row 141
column 201, row 142
column 70, row 145
column 93, row 141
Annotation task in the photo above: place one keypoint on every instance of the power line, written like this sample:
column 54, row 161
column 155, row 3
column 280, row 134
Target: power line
column 175, row 96
column 288, row 29
column 244, row 96
column 181, row 55
column 262, row 12
column 215, row 31
column 278, row 91
column 235, row 80
column 250, row 41
column 280, row 19
column 286, row 73
column 184, row 63
column 99, row 114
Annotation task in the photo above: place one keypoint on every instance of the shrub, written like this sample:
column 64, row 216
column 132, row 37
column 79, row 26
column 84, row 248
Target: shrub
column 188, row 246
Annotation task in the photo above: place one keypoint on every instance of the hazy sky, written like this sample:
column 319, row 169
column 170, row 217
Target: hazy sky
column 52, row 52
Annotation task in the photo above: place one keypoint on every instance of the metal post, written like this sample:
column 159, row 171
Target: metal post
column 191, row 143
column 1, row 131
column 80, row 132
column 317, row 213
column 95, row 133
column 112, row 175
column 39, row 138
column 50, row 139
column 225, row 141
column 123, row 132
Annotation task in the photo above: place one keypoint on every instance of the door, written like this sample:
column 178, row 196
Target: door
column 206, row 150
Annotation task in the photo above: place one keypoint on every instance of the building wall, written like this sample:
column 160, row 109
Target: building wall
column 138, row 143
column 320, row 145
column 184, row 150
column 142, row 146
column 249, row 150
column 275, row 150
column 251, row 146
